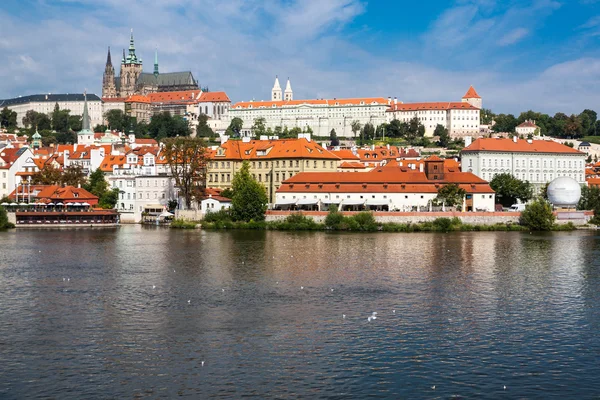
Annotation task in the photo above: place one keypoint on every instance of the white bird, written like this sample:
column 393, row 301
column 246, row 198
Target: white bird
column 242, row 262
column 153, row 286
column 189, row 301
column 68, row 279
column 173, row 270
column 369, row 319
column 433, row 387
column 332, row 290
column 343, row 315
column 504, row 387
column 223, row 289
column 394, row 311
column 203, row 363
column 301, row 287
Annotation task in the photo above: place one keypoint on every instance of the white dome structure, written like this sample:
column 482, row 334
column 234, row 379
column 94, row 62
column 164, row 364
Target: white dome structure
column 564, row 191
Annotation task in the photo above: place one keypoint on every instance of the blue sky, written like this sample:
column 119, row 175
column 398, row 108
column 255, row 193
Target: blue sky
column 541, row 54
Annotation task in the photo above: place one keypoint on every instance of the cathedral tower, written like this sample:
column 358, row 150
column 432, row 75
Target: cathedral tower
column 288, row 94
column 109, row 89
column 131, row 69
column 276, row 91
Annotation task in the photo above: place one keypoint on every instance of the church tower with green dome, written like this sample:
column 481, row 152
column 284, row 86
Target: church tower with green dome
column 36, row 143
column 85, row 135
column 131, row 69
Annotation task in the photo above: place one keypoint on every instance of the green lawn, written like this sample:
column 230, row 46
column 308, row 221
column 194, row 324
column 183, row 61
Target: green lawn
column 591, row 139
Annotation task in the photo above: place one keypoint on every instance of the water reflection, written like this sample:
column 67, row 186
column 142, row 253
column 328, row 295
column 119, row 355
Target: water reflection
column 473, row 312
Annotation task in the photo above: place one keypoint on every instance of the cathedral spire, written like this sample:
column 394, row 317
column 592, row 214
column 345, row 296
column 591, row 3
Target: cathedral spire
column 288, row 94
column 85, row 119
column 156, row 63
column 108, row 59
column 276, row 91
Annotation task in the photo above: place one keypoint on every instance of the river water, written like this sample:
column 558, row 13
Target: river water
column 138, row 312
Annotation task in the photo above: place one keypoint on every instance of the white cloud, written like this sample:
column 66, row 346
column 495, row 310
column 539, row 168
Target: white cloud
column 240, row 45
column 513, row 36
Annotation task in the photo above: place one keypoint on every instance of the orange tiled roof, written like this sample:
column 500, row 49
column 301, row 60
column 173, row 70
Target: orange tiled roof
column 184, row 96
column 445, row 105
column 146, row 141
column 521, row 146
column 380, row 180
column 345, row 154
column 214, row 97
column 315, row 102
column 593, row 181
column 137, row 98
column 471, row 93
column 113, row 99
column 352, row 165
column 272, row 149
column 110, row 161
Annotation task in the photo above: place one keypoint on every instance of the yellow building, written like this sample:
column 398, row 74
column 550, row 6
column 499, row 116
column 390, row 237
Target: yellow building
column 271, row 161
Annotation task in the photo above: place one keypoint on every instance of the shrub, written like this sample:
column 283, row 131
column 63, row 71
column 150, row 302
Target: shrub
column 365, row 221
column 214, row 216
column 183, row 224
column 442, row 224
column 538, row 216
column 334, row 217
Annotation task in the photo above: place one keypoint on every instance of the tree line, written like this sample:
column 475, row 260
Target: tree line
column 560, row 125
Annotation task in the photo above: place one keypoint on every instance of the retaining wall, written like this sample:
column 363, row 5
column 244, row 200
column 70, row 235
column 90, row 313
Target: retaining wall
column 189, row 215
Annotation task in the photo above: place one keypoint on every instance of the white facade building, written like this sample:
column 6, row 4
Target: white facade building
column 536, row 161
column 44, row 103
column 461, row 118
column 16, row 164
column 320, row 115
column 527, row 128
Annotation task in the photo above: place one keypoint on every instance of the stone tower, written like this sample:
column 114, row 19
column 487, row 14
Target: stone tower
column 473, row 98
column 276, row 91
column 288, row 94
column 109, row 89
column 131, row 68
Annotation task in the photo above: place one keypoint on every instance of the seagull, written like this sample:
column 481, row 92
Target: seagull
column 301, row 287
column 173, row 270
column 153, row 286
column 504, row 387
column 223, row 289
column 202, row 363
column 369, row 319
column 332, row 290
column 343, row 315
column 68, row 279
column 433, row 387
column 189, row 301
column 394, row 311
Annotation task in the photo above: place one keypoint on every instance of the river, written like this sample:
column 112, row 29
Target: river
column 136, row 312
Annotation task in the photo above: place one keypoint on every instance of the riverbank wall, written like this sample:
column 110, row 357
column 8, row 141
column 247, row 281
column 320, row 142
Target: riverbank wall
column 472, row 218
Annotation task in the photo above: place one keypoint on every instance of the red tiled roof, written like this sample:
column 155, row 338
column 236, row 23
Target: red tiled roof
column 452, row 105
column 54, row 193
column 323, row 102
column 527, row 124
column 345, row 154
column 113, row 99
column 273, row 149
column 146, row 141
column 353, row 165
column 471, row 93
column 110, row 161
column 137, row 98
column 521, row 146
column 184, row 96
column 593, row 181
column 214, row 97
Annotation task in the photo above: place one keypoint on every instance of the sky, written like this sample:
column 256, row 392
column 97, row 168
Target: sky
column 542, row 55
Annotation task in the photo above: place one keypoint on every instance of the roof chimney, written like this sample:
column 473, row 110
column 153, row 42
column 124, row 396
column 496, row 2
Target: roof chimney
column 515, row 138
column 389, row 100
column 395, row 100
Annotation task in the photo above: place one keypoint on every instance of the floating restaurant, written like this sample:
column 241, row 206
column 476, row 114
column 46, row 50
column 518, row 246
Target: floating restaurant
column 53, row 205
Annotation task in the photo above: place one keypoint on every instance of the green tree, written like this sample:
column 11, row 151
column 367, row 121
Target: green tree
column 97, row 128
column 450, row 195
column 34, row 119
column 60, row 119
column 590, row 200
column 109, row 199
column 355, row 126
column 538, row 216
column 75, row 124
column 505, row 123
column 203, row 130
column 96, row 184
column 368, row 132
column 4, row 224
column 443, row 137
column 73, row 175
column 48, row 175
column 187, row 159
column 163, row 125
column 235, row 127
column 259, row 129
column 334, row 141
column 573, row 127
column 249, row 201
column 487, row 116
column 415, row 130
column 277, row 131
column 558, row 125
column 294, row 132
column 116, row 119
column 510, row 189
column 8, row 119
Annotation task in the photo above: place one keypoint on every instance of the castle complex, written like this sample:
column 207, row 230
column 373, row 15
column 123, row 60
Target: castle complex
column 132, row 80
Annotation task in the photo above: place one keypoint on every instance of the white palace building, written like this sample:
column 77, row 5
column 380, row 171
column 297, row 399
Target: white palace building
column 461, row 118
